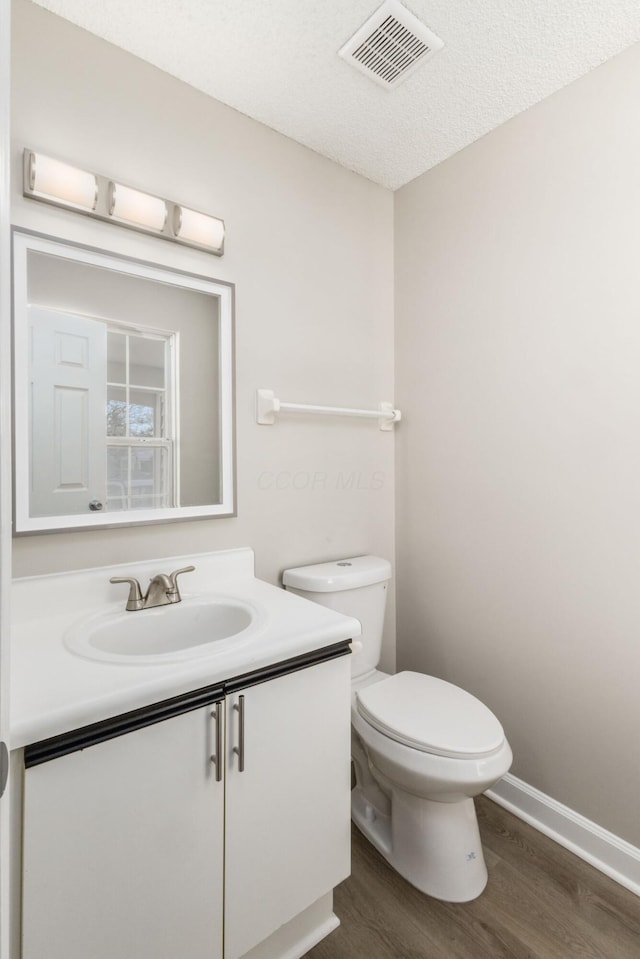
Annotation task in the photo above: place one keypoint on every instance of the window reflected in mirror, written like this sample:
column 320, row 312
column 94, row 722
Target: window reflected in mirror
column 140, row 425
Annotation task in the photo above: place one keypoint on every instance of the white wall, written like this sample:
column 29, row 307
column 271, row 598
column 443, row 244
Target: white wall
column 309, row 246
column 518, row 366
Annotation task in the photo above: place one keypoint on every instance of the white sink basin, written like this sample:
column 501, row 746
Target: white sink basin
column 197, row 626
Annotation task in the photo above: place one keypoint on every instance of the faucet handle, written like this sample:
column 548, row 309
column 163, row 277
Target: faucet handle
column 135, row 600
column 174, row 576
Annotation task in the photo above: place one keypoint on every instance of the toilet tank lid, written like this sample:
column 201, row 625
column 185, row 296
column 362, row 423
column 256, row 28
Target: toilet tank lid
column 339, row 575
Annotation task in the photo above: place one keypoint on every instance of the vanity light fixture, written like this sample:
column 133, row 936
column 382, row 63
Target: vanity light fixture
column 189, row 225
column 137, row 208
column 54, row 181
column 60, row 183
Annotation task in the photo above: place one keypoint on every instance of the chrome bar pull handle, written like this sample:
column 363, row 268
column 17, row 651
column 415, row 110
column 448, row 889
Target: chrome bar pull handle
column 217, row 759
column 239, row 749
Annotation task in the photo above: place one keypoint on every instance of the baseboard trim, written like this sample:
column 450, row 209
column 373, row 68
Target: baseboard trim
column 613, row 856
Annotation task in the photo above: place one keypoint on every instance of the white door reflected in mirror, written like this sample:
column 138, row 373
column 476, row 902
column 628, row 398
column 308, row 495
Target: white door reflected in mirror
column 123, row 390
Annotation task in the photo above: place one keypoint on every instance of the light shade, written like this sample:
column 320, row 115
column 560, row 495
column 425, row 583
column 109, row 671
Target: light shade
column 193, row 227
column 137, row 207
column 56, row 181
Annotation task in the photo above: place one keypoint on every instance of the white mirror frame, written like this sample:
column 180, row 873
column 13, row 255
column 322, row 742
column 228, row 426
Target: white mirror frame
column 24, row 242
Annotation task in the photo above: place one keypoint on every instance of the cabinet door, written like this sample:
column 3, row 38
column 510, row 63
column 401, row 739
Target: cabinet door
column 287, row 814
column 123, row 855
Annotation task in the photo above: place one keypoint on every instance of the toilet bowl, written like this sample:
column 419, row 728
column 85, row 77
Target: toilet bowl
column 416, row 805
column 422, row 748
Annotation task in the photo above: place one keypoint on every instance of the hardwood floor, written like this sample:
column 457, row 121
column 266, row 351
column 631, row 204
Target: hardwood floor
column 541, row 902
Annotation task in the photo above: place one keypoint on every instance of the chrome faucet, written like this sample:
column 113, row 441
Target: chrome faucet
column 162, row 590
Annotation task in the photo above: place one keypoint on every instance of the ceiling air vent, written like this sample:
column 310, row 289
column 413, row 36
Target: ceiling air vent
column 390, row 45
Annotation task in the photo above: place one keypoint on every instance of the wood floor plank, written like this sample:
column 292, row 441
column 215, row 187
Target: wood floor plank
column 604, row 917
column 541, row 902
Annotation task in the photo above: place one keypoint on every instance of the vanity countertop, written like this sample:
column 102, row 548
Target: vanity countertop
column 54, row 690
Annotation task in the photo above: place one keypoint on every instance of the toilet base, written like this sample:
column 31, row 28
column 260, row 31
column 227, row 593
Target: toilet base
column 371, row 822
column 434, row 845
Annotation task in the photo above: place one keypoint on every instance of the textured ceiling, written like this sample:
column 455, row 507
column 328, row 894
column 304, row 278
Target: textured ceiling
column 277, row 61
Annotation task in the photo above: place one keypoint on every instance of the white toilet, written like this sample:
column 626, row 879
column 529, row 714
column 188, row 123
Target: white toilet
column 421, row 747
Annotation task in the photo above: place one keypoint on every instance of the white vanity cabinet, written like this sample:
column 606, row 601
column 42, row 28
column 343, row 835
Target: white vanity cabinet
column 288, row 812
column 123, row 847
column 138, row 846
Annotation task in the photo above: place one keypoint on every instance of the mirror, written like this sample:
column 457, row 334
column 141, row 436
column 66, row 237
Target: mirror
column 123, row 387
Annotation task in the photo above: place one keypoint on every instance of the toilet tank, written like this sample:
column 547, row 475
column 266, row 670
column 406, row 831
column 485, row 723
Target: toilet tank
column 356, row 587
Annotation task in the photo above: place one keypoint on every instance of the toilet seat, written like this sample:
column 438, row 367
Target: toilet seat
column 430, row 715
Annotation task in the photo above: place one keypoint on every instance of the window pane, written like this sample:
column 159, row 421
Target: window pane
column 137, row 478
column 146, row 362
column 116, row 411
column 148, row 478
column 117, row 478
column 145, row 413
column 116, row 358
